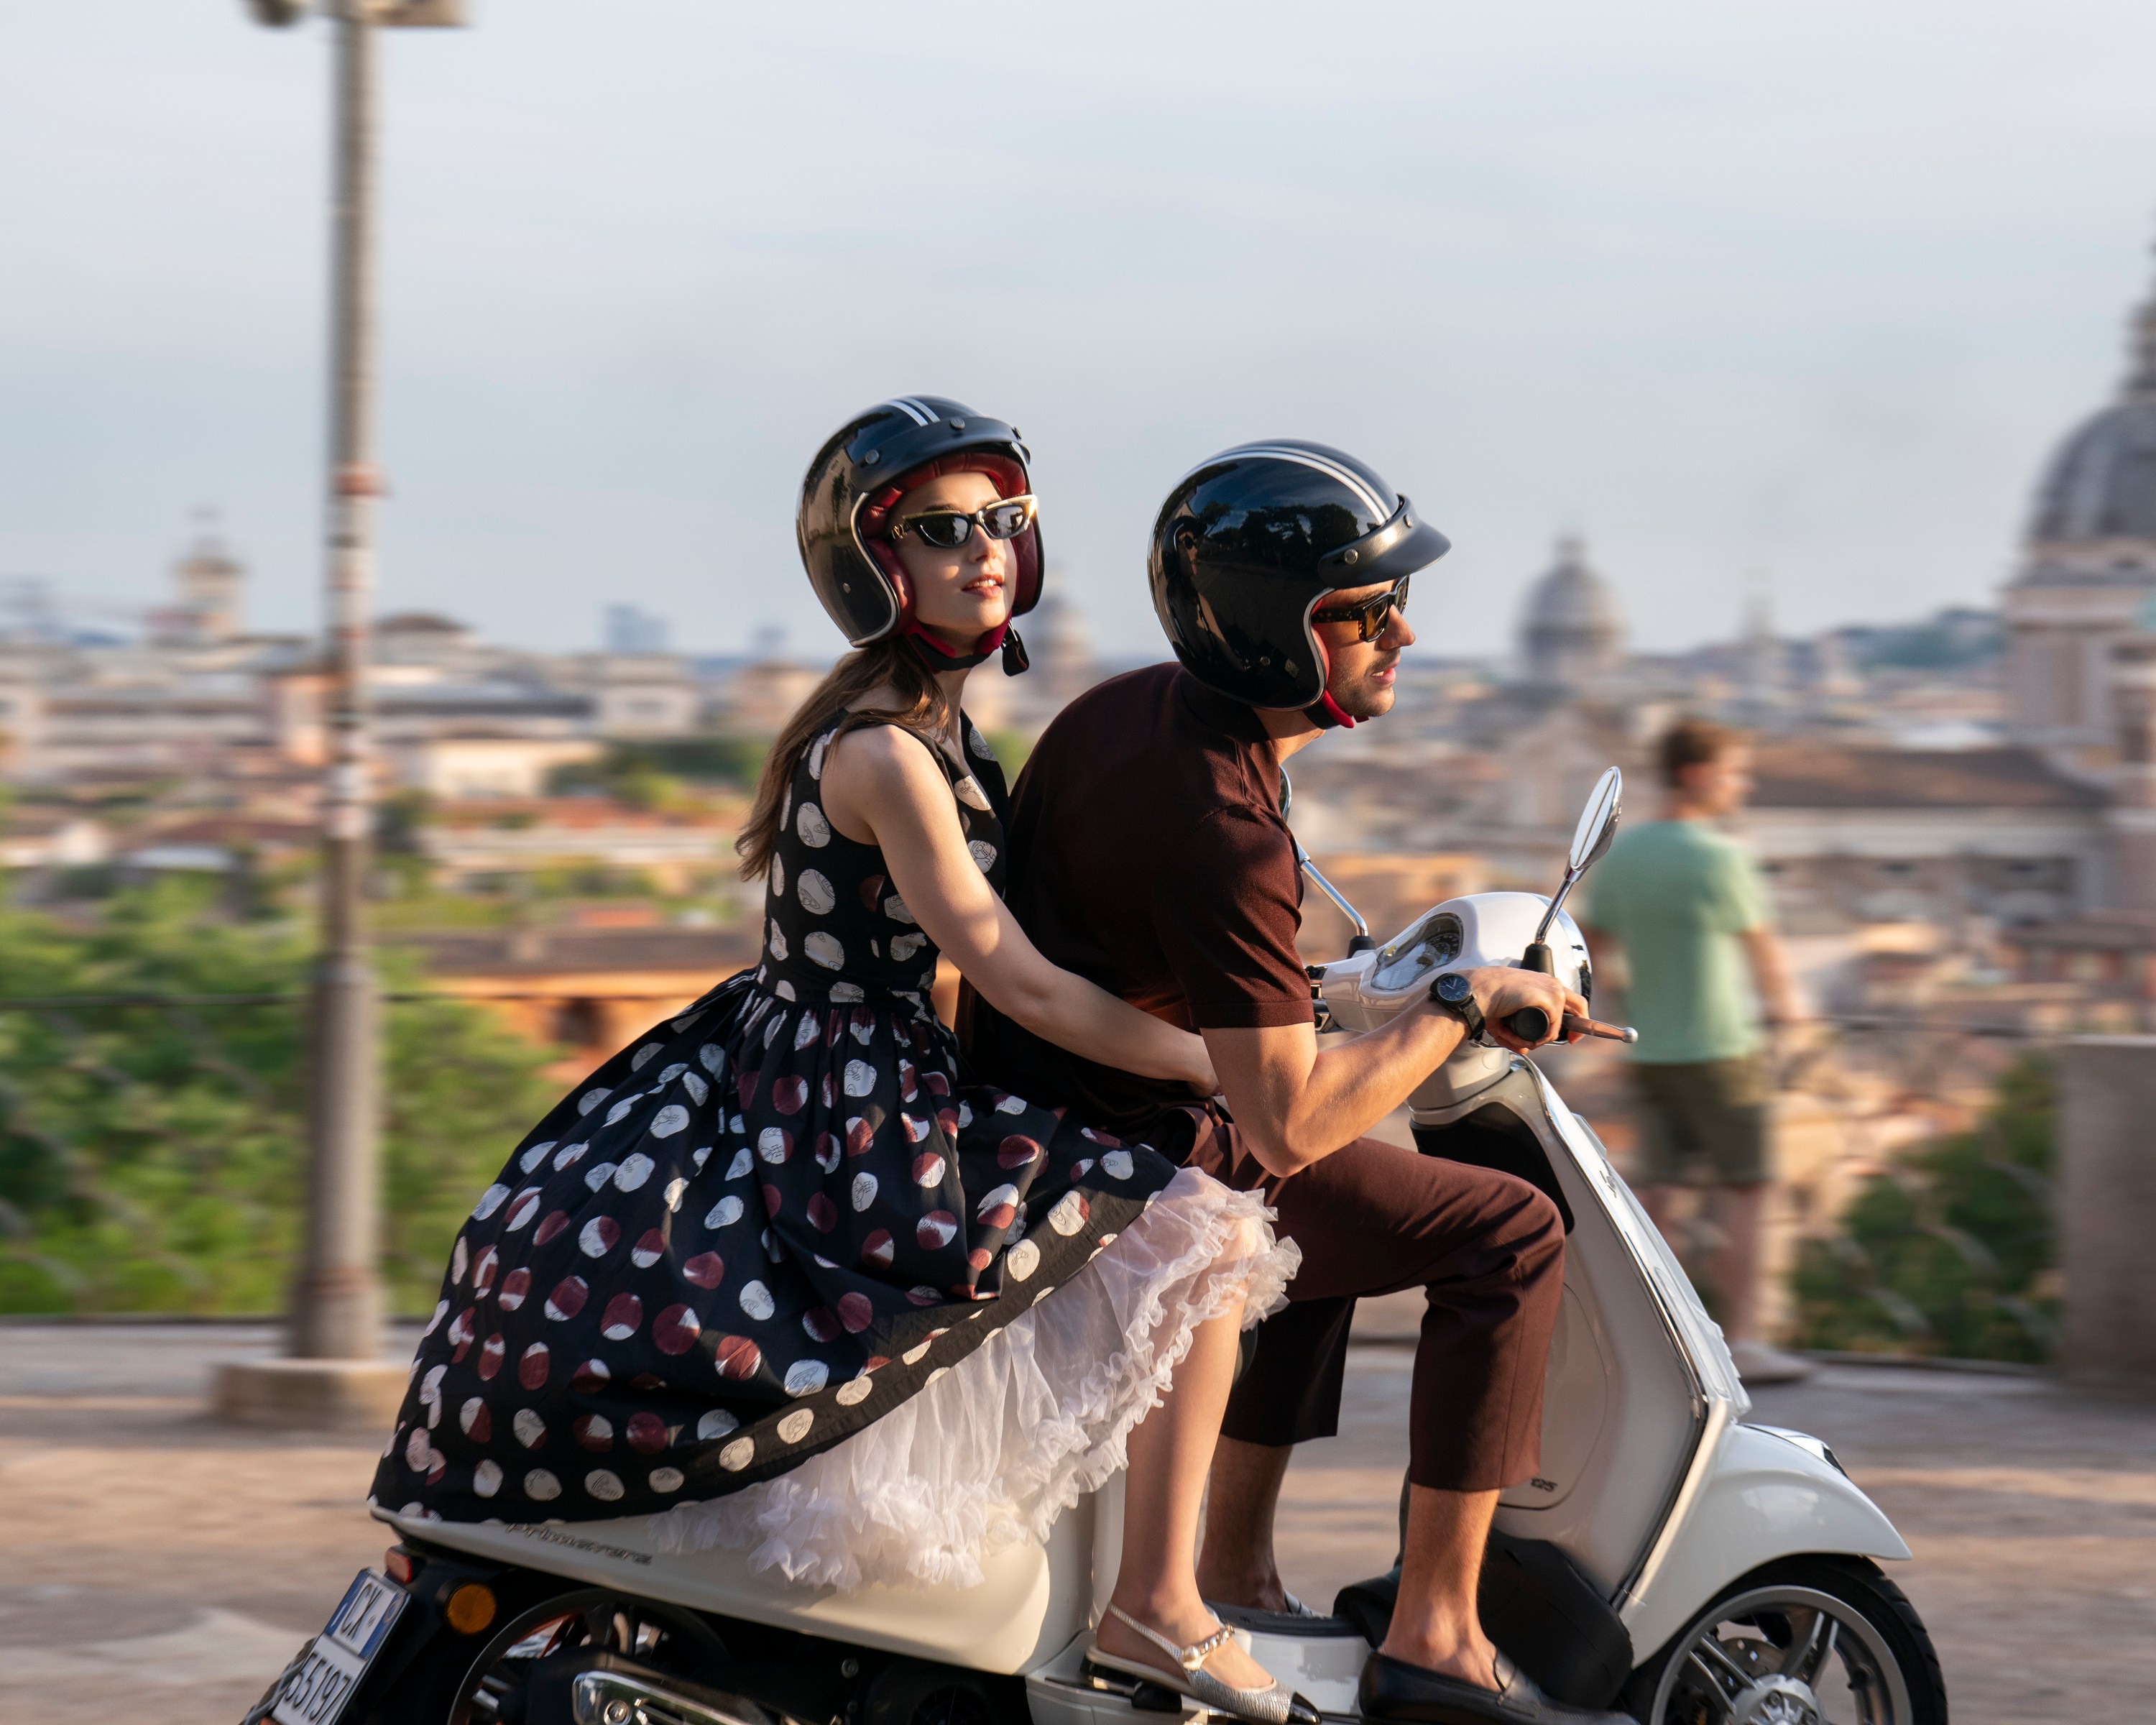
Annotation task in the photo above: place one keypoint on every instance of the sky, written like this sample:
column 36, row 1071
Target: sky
column 1793, row 296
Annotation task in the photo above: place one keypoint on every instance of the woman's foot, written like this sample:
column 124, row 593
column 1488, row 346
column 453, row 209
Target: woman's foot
column 1183, row 1625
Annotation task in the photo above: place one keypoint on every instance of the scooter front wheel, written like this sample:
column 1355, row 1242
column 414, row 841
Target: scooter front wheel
column 1824, row 1640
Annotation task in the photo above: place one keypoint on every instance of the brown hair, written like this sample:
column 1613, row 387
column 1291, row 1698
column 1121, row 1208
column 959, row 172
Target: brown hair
column 1693, row 742
column 888, row 663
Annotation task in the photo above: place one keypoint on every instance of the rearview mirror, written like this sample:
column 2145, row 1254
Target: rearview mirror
column 1598, row 822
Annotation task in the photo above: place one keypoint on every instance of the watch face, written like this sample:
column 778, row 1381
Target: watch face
column 1454, row 988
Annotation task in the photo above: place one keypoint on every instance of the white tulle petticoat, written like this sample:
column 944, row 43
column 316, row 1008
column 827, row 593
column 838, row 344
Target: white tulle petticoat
column 989, row 1453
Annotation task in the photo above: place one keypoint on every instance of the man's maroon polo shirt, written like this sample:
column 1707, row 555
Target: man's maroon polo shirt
column 1148, row 854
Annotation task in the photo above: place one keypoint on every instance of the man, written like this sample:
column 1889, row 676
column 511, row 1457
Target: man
column 1148, row 853
column 1687, row 909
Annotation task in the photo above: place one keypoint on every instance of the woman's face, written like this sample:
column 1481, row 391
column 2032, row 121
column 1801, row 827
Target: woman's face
column 963, row 593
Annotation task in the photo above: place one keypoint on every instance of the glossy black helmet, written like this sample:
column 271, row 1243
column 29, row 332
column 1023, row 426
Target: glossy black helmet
column 1248, row 543
column 863, row 468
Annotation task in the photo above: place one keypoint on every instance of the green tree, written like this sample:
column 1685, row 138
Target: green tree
column 1951, row 1252
column 152, row 1157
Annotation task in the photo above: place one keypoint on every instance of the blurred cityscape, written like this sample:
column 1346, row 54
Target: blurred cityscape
column 1957, row 813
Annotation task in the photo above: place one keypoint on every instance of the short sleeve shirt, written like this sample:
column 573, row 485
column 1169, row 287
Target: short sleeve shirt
column 1677, row 894
column 1148, row 855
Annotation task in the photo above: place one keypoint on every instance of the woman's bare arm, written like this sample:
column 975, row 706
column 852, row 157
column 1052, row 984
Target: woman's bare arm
column 880, row 787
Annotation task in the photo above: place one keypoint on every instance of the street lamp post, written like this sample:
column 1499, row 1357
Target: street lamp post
column 334, row 1371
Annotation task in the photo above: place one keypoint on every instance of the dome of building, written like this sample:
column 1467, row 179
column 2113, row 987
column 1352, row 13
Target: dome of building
column 1572, row 631
column 2101, row 485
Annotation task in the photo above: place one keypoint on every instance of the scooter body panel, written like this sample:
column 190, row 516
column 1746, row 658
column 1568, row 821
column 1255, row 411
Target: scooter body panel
column 1760, row 1496
column 1030, row 1603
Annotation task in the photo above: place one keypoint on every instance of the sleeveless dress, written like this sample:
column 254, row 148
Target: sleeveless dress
column 777, row 1273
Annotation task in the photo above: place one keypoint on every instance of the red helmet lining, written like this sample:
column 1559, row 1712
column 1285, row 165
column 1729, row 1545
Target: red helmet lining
column 874, row 519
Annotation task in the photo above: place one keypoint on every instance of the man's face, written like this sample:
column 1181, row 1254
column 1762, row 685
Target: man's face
column 1718, row 787
column 1360, row 683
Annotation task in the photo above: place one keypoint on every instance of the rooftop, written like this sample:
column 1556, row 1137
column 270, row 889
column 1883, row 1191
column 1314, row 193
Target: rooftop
column 1809, row 775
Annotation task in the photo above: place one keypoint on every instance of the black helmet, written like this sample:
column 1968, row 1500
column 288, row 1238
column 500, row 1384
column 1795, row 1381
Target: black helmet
column 863, row 468
column 1249, row 542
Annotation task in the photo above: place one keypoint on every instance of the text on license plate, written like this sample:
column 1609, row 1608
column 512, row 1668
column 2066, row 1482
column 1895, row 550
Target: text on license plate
column 315, row 1693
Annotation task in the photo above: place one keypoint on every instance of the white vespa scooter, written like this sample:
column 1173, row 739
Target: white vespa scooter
column 1670, row 1559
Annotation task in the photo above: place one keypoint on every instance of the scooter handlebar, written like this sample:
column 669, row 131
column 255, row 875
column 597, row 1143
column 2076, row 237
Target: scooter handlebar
column 1531, row 1024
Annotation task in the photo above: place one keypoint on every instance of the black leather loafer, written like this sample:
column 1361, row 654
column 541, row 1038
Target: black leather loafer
column 1393, row 1690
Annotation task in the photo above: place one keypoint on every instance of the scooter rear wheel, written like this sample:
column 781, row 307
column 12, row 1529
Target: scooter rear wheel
column 495, row 1686
column 1824, row 1640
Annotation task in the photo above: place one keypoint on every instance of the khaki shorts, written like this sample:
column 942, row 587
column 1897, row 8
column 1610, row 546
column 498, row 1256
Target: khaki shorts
column 1704, row 1117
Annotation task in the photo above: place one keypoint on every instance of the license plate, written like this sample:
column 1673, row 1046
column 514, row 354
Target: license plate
column 316, row 1692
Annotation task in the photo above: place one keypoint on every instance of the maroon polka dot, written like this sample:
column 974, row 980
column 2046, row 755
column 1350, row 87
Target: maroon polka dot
column 947, row 1118
column 647, row 1251
column 998, row 1215
column 675, row 1329
column 1113, row 1143
column 874, row 1360
column 647, row 1381
column 822, row 1214
column 531, row 1366
column 872, row 892
column 1016, row 1151
column 556, row 1221
column 646, row 1434
column 926, row 1296
column 568, row 1297
column 789, row 1094
column 772, row 1200
column 979, row 1258
column 590, row 1377
column 707, row 1269
column 939, row 1083
column 738, row 1357
column 490, row 1354
column 745, row 1088
column 936, row 1230
column 623, row 1314
column 821, row 1323
column 855, row 1313
column 514, row 1287
column 485, row 1269
column 878, row 1251
column 831, row 1093
column 594, row 1431
column 521, row 1210
column 598, row 1236
column 860, row 1136
column 928, row 1169
column 908, row 1086
column 481, row 1429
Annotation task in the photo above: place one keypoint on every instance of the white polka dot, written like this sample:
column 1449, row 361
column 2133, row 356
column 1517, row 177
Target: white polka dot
column 903, row 946
column 795, row 1426
column 1069, row 1215
column 666, row 1479
column 675, row 1187
column 784, row 991
column 529, row 1428
column 984, row 855
column 536, row 1154
column 1010, row 1105
column 757, row 1302
column 914, row 1355
column 672, row 1071
column 779, row 949
column 813, row 890
column 805, row 1377
column 853, row 1390
column 570, row 1156
column 970, row 792
column 809, row 823
column 737, row 1455
column 670, row 1121
column 816, row 752
column 895, row 908
column 597, row 1236
column 417, row 1449
column 743, row 1161
column 773, row 1145
column 636, row 1169
column 486, row 1479
column 724, row 1213
column 1118, row 1165
column 1022, row 1260
column 597, row 1174
column 490, row 1201
column 716, row 1423
column 441, row 1311
column 698, row 1090
column 620, row 1110
column 542, row 1485
column 823, row 949
column 864, row 1190
column 846, row 993
column 778, row 878
column 860, row 1078
column 636, row 1060
column 591, row 1098
column 710, row 1057
column 603, row 1484
column 978, row 744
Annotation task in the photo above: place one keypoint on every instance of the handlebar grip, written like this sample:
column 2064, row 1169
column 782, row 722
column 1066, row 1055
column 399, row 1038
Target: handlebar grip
column 1530, row 1023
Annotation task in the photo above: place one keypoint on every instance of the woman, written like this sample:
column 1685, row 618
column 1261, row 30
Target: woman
column 791, row 1287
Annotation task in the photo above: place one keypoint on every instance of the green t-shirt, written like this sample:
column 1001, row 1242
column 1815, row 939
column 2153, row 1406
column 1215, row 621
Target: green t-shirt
column 1677, row 894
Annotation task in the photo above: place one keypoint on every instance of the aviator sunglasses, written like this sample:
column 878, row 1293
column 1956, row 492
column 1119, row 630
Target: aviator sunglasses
column 1367, row 615
column 947, row 529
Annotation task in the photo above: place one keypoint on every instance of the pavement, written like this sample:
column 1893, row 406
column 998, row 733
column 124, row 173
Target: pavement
column 161, row 1569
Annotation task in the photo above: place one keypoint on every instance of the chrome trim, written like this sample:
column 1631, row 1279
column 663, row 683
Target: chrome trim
column 628, row 1698
column 1331, row 891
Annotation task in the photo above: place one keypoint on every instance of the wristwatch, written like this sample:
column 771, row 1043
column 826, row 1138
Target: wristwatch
column 1453, row 992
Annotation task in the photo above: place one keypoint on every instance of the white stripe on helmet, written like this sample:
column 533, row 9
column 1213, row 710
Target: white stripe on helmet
column 1325, row 465
column 918, row 416
column 913, row 403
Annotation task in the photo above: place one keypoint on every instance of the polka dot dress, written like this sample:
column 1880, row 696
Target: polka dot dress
column 766, row 1223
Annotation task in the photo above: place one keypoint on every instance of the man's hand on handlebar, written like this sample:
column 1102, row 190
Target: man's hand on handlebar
column 1502, row 989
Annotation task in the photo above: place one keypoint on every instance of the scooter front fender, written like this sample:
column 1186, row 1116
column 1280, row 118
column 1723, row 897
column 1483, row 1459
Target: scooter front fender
column 1762, row 1497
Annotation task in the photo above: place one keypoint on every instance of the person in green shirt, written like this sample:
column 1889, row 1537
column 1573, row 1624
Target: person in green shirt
column 1688, row 908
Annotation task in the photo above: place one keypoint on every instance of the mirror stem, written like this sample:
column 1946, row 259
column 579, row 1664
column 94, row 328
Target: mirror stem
column 1362, row 942
column 1549, row 916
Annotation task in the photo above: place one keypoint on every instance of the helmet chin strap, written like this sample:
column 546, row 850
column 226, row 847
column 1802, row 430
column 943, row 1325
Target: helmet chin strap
column 1325, row 712
column 937, row 657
